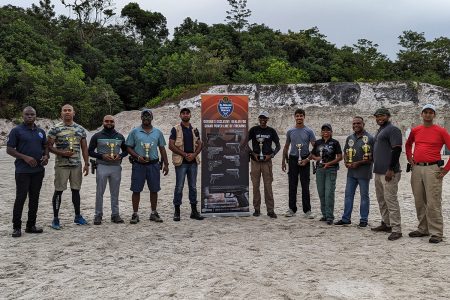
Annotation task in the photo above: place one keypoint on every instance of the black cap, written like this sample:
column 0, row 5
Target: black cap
column 382, row 111
column 185, row 109
column 327, row 126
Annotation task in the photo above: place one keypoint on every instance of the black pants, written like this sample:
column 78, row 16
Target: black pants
column 294, row 172
column 27, row 184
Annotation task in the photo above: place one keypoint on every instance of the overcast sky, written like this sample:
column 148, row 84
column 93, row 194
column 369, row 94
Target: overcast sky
column 342, row 21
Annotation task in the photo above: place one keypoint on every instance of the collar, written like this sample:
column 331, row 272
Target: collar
column 143, row 130
column 190, row 125
column 34, row 127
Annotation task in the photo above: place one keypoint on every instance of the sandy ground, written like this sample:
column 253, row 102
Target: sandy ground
column 246, row 257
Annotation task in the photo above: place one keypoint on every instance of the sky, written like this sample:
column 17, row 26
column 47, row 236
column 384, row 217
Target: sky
column 342, row 21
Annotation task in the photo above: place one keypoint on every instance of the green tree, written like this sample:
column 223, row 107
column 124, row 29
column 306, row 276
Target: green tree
column 238, row 15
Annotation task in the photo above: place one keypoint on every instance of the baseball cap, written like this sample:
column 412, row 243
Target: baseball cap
column 382, row 111
column 146, row 111
column 327, row 125
column 185, row 109
column 429, row 106
column 264, row 114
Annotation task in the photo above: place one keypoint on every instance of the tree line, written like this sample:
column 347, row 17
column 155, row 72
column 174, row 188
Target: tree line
column 103, row 61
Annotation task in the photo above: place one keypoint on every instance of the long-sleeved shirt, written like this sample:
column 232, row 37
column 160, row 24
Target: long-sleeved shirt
column 107, row 142
column 428, row 142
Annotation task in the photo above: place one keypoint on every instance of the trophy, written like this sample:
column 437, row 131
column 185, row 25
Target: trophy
column 71, row 140
column 260, row 141
column 147, row 147
column 299, row 148
column 351, row 152
column 366, row 147
column 112, row 147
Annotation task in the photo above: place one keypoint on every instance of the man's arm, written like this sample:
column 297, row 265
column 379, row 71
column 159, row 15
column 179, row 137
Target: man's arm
column 92, row 147
column 408, row 147
column 84, row 152
column 163, row 152
column 54, row 150
column 28, row 159
column 285, row 155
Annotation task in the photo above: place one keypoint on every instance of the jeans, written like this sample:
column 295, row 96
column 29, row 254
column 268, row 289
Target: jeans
column 27, row 184
column 189, row 171
column 350, row 189
column 326, row 186
column 294, row 172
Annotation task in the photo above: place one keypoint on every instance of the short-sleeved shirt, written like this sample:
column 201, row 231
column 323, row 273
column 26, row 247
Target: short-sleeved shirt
column 363, row 171
column 387, row 137
column 329, row 150
column 29, row 141
column 68, row 137
column 302, row 136
column 138, row 137
column 270, row 136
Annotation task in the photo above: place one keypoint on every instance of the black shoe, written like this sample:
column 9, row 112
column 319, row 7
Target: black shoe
column 323, row 219
column 195, row 214
column 17, row 232
column 97, row 220
column 395, row 236
column 382, row 228
column 176, row 214
column 34, row 229
column 417, row 233
column 272, row 214
column 342, row 223
column 362, row 224
column 134, row 219
column 434, row 239
column 117, row 219
column 154, row 216
column 257, row 213
column 330, row 222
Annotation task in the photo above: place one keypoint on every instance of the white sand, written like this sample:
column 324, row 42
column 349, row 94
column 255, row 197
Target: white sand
column 247, row 257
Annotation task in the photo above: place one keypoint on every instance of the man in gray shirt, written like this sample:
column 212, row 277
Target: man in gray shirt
column 298, row 138
column 358, row 160
column 386, row 154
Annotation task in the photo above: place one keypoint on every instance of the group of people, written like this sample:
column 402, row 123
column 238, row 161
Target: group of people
column 363, row 156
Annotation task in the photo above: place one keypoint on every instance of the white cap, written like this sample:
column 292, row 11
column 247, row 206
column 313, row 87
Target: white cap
column 429, row 106
column 264, row 114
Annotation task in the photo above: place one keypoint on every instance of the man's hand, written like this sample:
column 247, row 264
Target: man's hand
column 30, row 161
column 326, row 165
column 411, row 161
column 283, row 166
column 67, row 153
column 165, row 169
column 86, row 169
column 267, row 157
column 44, row 160
column 190, row 156
column 304, row 162
column 442, row 173
column 117, row 157
column 389, row 175
column 142, row 160
column 107, row 157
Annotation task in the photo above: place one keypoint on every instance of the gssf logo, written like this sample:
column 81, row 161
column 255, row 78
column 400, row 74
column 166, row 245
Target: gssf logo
column 225, row 107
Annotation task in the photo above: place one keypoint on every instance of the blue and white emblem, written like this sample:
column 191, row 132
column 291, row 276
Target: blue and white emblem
column 41, row 135
column 225, row 107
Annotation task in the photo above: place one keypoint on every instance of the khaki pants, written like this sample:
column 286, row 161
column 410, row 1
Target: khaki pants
column 264, row 168
column 427, row 190
column 386, row 192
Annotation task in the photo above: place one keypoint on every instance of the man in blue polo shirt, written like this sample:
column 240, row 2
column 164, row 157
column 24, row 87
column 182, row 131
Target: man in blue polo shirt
column 142, row 144
column 28, row 144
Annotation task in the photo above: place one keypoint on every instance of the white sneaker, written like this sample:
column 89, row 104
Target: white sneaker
column 308, row 215
column 289, row 213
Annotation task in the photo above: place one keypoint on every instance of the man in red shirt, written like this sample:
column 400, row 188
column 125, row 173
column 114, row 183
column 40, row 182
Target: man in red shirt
column 428, row 173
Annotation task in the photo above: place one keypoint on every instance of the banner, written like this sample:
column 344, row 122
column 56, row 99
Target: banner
column 225, row 156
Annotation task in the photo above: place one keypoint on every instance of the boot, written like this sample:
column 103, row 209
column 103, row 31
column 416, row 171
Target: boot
column 195, row 214
column 176, row 215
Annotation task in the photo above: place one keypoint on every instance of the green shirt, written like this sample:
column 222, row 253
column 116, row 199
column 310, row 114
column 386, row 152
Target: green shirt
column 67, row 137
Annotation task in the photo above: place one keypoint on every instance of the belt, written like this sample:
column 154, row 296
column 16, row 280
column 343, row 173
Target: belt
column 427, row 163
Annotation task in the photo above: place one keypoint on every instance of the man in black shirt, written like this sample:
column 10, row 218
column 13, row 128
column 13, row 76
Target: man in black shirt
column 261, row 162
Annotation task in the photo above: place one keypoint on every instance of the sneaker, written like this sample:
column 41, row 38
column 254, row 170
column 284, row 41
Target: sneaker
column 34, row 229
column 362, row 224
column 154, row 216
column 97, row 220
column 117, row 219
column 434, row 239
column 289, row 213
column 17, row 232
column 383, row 228
column 308, row 215
column 257, row 213
column 417, row 233
column 272, row 214
column 395, row 236
column 330, row 222
column 134, row 219
column 342, row 223
column 55, row 224
column 79, row 220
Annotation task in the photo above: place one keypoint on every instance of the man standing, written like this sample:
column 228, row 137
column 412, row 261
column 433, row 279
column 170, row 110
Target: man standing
column 142, row 144
column 386, row 154
column 359, row 172
column 427, row 174
column 299, row 138
column 261, row 162
column 108, row 144
column 70, row 141
column 185, row 144
column 28, row 144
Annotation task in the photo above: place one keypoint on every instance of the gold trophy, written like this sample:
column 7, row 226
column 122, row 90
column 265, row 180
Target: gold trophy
column 112, row 147
column 147, row 147
column 299, row 148
column 351, row 152
column 366, row 147
column 260, row 141
column 71, row 140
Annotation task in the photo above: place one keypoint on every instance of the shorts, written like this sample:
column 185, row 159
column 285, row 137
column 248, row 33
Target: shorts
column 142, row 172
column 73, row 174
